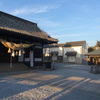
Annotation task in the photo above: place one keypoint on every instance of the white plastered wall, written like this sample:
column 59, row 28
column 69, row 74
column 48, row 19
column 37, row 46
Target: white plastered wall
column 84, row 51
column 78, row 49
column 73, row 49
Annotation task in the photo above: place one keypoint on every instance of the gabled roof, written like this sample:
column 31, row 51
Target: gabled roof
column 67, row 44
column 76, row 43
column 94, row 53
column 12, row 23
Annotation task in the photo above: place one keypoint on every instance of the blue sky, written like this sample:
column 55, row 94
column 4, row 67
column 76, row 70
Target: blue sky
column 66, row 20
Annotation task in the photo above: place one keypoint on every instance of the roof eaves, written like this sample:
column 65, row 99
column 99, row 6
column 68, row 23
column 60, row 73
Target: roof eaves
column 27, row 33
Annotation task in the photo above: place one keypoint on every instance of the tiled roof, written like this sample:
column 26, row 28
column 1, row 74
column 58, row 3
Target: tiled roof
column 67, row 44
column 94, row 53
column 12, row 23
column 76, row 43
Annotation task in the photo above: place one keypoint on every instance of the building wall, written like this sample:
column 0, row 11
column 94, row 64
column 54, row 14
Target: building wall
column 85, row 48
column 37, row 55
column 72, row 49
column 62, row 51
column 79, row 58
column 77, row 49
column 47, row 51
column 84, row 51
column 59, row 49
column 4, row 55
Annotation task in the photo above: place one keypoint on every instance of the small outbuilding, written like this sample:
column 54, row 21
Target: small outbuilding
column 94, row 57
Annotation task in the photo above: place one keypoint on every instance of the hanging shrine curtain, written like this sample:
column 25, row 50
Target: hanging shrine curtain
column 15, row 46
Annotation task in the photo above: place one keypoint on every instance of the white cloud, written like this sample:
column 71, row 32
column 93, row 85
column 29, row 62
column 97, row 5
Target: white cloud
column 32, row 9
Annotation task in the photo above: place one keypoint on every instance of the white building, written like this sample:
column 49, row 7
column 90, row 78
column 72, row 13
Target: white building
column 69, row 52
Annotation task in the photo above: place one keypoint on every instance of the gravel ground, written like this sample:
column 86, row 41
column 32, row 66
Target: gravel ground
column 66, row 82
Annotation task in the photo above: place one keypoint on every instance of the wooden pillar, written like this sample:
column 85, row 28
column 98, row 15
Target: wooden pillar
column 98, row 60
column 11, row 62
column 42, row 54
column 93, row 60
column 89, row 58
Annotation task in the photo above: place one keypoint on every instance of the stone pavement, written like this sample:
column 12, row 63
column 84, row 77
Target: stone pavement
column 66, row 82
